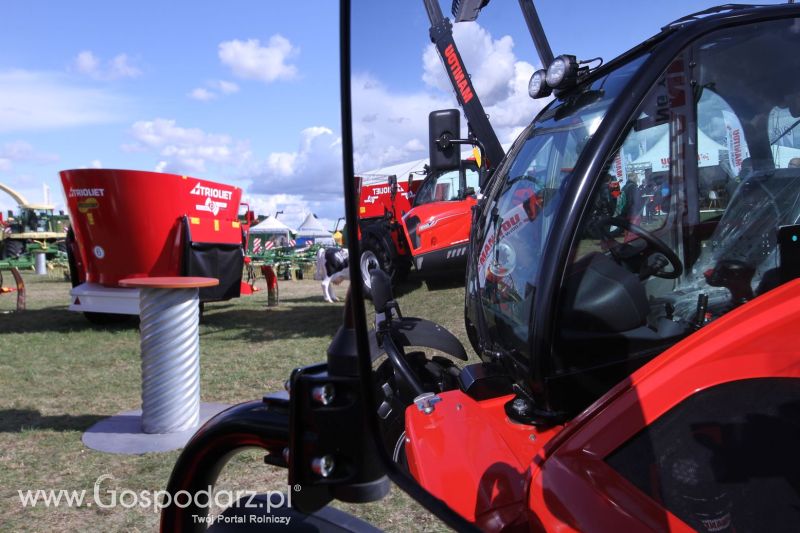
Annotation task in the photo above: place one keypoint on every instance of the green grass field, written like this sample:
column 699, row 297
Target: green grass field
column 59, row 375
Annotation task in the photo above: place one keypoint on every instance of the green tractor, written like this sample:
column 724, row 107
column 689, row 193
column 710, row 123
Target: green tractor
column 35, row 227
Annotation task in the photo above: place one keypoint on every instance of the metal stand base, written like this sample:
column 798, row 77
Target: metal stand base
column 123, row 433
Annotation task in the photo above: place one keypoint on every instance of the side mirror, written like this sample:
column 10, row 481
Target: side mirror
column 469, row 191
column 381, row 289
column 444, row 125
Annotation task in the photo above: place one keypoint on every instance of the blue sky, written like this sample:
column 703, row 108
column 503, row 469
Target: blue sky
column 246, row 92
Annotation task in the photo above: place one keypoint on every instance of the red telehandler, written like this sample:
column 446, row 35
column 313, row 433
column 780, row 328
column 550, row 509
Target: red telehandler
column 426, row 224
column 422, row 223
column 635, row 368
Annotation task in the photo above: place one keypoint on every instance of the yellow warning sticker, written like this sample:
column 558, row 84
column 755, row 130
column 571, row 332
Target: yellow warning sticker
column 235, row 224
column 216, row 225
column 194, row 220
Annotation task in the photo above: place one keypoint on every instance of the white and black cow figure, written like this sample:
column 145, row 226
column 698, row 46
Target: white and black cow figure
column 332, row 268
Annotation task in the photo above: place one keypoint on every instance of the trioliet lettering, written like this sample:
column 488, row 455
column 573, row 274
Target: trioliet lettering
column 211, row 192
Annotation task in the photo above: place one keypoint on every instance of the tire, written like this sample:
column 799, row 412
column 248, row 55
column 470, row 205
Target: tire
column 436, row 374
column 369, row 261
column 12, row 249
column 374, row 254
column 391, row 414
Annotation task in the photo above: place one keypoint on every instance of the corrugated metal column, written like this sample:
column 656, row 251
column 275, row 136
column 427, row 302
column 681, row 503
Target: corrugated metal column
column 170, row 344
column 169, row 313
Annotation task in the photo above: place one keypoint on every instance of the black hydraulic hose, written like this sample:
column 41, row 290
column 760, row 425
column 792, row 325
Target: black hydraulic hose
column 253, row 424
column 401, row 365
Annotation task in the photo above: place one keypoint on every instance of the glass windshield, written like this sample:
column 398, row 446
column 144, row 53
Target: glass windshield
column 449, row 186
column 527, row 195
column 440, row 189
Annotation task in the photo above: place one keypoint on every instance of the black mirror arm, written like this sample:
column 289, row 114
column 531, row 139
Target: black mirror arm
column 444, row 143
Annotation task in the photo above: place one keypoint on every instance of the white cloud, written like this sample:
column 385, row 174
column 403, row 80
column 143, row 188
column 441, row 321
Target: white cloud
column 219, row 87
column 202, row 94
column 187, row 149
column 226, row 87
column 295, row 208
column 499, row 77
column 489, row 61
column 96, row 163
column 87, row 63
column 314, row 171
column 389, row 127
column 250, row 60
column 31, row 101
column 306, row 180
column 22, row 152
column 118, row 67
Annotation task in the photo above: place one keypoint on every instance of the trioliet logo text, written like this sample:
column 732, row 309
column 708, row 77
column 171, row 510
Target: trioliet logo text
column 211, row 192
column 85, row 193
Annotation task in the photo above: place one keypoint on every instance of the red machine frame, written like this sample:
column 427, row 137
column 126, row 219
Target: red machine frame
column 131, row 223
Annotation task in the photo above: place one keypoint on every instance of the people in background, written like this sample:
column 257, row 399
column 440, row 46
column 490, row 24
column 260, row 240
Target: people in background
column 629, row 201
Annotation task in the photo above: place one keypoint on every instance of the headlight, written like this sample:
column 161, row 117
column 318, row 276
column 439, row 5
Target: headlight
column 562, row 72
column 537, row 86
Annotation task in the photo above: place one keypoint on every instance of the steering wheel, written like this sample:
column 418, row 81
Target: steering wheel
column 653, row 242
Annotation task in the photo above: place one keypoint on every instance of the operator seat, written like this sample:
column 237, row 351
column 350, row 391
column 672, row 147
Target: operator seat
column 745, row 240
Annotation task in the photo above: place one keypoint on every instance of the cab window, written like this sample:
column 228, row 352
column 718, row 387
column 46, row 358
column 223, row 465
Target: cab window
column 681, row 227
column 472, row 178
column 724, row 459
column 443, row 188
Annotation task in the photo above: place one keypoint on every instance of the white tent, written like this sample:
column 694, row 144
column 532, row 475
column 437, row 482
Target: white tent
column 269, row 233
column 658, row 155
column 271, row 225
column 311, row 229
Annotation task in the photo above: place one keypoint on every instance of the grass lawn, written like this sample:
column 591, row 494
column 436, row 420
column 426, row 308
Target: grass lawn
column 59, row 375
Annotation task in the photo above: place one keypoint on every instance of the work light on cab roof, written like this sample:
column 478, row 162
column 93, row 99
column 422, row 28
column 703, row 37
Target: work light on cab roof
column 537, row 86
column 562, row 73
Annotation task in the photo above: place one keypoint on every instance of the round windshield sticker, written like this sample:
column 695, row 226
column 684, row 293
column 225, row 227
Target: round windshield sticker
column 99, row 252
